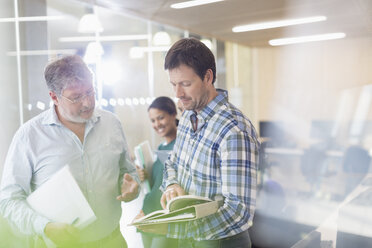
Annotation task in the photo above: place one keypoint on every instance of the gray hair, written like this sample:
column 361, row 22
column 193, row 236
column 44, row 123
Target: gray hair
column 66, row 71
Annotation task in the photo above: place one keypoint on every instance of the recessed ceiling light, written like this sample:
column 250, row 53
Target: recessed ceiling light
column 193, row 3
column 40, row 52
column 104, row 38
column 161, row 38
column 90, row 23
column 302, row 39
column 32, row 18
column 276, row 24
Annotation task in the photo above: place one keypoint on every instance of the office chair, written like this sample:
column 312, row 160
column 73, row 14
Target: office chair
column 356, row 164
column 312, row 166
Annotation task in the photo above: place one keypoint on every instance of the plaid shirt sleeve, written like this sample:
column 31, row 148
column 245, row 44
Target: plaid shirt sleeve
column 238, row 155
column 170, row 173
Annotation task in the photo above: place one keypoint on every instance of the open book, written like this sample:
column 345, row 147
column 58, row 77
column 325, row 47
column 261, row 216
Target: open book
column 61, row 200
column 181, row 208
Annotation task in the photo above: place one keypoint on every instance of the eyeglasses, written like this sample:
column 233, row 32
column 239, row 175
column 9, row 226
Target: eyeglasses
column 79, row 99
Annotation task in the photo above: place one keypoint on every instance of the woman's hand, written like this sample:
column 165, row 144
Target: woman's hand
column 139, row 215
column 142, row 173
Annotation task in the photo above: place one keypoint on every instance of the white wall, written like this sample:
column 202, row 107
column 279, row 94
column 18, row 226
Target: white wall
column 299, row 83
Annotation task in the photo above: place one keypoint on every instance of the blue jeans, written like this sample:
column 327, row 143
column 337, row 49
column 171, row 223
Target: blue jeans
column 241, row 240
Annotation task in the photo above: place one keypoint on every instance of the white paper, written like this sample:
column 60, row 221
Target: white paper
column 61, row 200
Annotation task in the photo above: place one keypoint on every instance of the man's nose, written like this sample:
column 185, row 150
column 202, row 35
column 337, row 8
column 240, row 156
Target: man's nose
column 87, row 100
column 179, row 91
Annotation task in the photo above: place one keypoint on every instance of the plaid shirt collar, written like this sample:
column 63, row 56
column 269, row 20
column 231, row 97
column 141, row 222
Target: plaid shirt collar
column 212, row 107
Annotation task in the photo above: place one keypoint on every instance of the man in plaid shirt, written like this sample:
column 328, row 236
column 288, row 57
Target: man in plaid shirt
column 215, row 154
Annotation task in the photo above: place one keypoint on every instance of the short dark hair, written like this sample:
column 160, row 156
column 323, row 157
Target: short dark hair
column 164, row 103
column 66, row 71
column 193, row 53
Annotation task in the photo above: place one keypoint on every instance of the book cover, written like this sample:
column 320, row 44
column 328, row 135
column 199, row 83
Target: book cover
column 145, row 159
column 181, row 208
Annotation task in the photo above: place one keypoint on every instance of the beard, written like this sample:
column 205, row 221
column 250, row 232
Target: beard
column 197, row 104
column 73, row 118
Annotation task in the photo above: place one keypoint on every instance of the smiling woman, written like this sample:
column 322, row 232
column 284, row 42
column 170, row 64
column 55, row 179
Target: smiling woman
column 162, row 114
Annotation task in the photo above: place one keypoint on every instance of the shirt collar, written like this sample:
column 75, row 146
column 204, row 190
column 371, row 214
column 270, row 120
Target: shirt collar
column 51, row 117
column 208, row 111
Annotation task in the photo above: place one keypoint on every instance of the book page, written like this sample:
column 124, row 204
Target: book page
column 180, row 217
column 151, row 215
column 184, row 214
column 61, row 200
column 184, row 201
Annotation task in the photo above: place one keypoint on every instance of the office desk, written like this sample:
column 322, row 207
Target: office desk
column 299, row 152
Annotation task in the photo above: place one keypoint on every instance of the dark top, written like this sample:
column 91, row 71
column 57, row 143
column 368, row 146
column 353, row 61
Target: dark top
column 152, row 199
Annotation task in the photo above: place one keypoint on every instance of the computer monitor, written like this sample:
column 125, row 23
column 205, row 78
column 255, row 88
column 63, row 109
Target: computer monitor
column 275, row 132
column 271, row 129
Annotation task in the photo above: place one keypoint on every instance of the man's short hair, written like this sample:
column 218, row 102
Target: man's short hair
column 66, row 71
column 193, row 53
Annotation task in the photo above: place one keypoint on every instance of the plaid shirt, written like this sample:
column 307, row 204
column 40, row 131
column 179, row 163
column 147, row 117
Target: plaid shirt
column 218, row 161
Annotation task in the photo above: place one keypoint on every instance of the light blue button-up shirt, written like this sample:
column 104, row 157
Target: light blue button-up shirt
column 42, row 146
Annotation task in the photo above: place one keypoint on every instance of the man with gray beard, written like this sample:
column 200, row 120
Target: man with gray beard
column 91, row 141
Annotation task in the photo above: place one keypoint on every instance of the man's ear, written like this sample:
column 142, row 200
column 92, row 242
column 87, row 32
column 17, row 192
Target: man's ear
column 54, row 97
column 208, row 77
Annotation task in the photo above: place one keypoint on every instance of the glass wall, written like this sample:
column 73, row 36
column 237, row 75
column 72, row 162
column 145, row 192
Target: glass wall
column 9, row 94
column 310, row 104
column 127, row 63
column 313, row 107
column 125, row 53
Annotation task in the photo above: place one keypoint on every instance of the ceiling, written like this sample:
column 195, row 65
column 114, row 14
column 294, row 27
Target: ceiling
column 353, row 17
